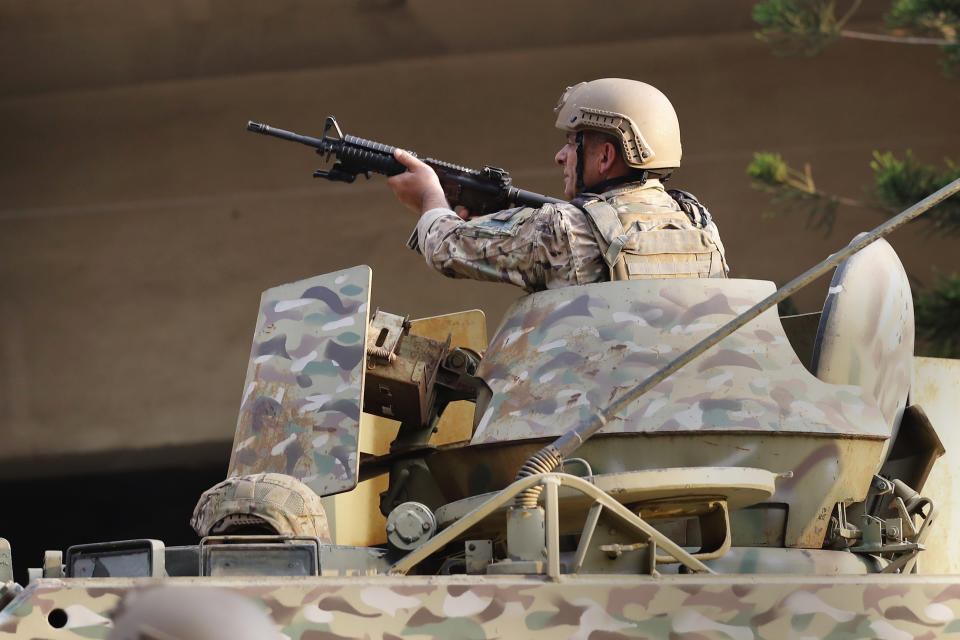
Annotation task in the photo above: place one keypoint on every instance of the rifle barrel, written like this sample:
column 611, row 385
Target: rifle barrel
column 525, row 198
column 267, row 130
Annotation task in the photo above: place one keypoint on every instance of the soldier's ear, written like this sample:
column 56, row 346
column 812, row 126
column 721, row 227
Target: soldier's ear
column 608, row 155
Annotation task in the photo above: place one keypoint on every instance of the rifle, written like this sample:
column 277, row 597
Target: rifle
column 481, row 192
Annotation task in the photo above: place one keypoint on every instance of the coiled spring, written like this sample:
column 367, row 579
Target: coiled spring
column 382, row 353
column 543, row 461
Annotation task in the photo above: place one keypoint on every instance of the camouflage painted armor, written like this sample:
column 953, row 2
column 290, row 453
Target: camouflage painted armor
column 557, row 245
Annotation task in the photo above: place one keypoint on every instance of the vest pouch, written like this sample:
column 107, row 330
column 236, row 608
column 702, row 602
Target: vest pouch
column 668, row 252
column 645, row 243
column 646, row 223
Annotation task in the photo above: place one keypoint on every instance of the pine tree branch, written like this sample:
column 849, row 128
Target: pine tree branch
column 880, row 37
column 849, row 14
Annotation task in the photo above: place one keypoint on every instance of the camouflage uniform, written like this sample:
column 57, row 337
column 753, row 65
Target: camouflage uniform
column 553, row 246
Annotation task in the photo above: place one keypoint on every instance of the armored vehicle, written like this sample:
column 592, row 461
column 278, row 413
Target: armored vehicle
column 394, row 477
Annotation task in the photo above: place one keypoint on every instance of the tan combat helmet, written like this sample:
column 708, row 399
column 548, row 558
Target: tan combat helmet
column 637, row 114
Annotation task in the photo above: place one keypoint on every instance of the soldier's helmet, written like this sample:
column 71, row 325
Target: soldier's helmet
column 261, row 503
column 190, row 613
column 635, row 113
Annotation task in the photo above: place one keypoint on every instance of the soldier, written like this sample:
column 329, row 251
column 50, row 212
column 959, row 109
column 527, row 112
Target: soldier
column 623, row 142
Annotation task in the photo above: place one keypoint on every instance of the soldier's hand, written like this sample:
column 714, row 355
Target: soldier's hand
column 418, row 188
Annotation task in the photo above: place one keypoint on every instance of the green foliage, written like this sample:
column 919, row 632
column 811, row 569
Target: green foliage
column 793, row 190
column 898, row 184
column 937, row 313
column 769, row 169
column 932, row 18
column 797, row 26
column 951, row 60
column 901, row 183
column 808, row 26
column 925, row 17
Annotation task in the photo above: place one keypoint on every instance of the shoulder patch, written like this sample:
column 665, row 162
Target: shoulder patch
column 501, row 223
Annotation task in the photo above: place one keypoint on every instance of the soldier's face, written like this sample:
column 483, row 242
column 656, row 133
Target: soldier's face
column 567, row 159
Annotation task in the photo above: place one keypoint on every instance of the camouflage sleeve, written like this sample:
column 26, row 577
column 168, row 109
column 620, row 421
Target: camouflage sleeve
column 534, row 249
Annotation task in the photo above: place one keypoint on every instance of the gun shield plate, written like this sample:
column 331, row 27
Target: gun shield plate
column 300, row 412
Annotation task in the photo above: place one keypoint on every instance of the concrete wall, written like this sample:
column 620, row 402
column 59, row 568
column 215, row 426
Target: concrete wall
column 139, row 221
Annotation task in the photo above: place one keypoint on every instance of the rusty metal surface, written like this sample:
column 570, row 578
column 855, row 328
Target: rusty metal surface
column 355, row 516
column 866, row 332
column 300, row 412
column 581, row 607
column 560, row 356
column 399, row 389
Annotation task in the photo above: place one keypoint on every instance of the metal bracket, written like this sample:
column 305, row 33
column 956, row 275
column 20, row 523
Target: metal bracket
column 53, row 563
column 331, row 123
column 551, row 482
column 478, row 554
column 384, row 334
column 843, row 528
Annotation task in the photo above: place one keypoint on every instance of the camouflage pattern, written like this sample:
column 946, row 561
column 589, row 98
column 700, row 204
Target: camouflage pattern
column 535, row 249
column 300, row 411
column 595, row 607
column 866, row 332
column 746, row 403
column 544, row 366
column 774, row 560
column 182, row 612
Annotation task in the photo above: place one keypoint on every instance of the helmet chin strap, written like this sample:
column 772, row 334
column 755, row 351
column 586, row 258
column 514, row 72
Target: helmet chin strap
column 579, row 140
column 635, row 175
column 606, row 185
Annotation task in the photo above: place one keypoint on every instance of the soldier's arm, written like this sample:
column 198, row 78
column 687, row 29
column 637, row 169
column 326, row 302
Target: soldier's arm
column 418, row 188
column 534, row 249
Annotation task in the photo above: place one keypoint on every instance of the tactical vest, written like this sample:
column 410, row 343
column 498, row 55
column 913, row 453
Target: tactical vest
column 638, row 240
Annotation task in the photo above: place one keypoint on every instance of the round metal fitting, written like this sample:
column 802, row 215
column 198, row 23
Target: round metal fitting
column 409, row 525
